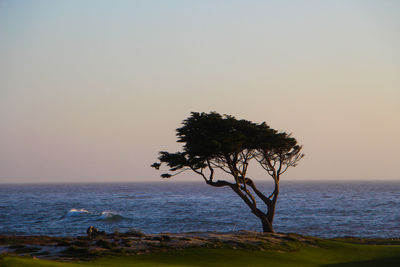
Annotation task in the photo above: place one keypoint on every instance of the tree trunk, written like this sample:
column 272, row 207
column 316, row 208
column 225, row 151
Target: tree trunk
column 265, row 217
column 268, row 219
column 267, row 225
column 271, row 206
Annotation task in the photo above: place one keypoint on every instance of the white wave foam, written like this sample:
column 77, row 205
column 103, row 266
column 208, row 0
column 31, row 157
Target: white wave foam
column 109, row 215
column 77, row 212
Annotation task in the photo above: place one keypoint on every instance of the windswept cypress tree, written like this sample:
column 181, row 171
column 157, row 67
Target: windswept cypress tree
column 214, row 142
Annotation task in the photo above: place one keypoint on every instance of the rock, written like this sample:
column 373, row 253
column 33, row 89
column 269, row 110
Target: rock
column 93, row 232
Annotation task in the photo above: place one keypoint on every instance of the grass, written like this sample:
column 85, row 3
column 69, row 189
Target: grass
column 328, row 253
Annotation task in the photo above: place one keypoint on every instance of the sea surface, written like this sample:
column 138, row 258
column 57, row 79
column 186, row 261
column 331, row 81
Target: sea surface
column 324, row 209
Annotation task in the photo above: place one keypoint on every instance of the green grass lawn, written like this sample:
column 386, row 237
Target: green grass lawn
column 330, row 253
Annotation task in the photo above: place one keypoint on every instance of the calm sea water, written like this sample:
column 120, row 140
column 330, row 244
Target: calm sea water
column 325, row 209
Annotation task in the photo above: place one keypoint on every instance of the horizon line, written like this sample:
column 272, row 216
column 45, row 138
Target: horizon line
column 191, row 181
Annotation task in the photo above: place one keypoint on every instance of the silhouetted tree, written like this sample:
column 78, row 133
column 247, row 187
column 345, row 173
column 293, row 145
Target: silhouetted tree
column 214, row 142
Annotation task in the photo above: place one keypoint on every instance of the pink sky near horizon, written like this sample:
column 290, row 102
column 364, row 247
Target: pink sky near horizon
column 91, row 91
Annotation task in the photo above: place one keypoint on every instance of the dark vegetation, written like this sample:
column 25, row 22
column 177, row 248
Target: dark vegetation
column 215, row 144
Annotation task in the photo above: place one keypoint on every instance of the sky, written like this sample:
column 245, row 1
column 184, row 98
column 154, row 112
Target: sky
column 91, row 91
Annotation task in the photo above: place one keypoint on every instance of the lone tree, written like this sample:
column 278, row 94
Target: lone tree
column 214, row 142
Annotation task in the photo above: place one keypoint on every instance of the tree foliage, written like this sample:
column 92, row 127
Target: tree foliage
column 214, row 142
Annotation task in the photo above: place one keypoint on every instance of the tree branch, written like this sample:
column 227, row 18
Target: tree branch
column 200, row 173
column 266, row 200
column 183, row 170
column 245, row 198
column 220, row 167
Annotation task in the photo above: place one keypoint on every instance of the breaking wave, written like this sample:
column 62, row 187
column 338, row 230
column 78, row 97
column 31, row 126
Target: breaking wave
column 110, row 216
column 77, row 212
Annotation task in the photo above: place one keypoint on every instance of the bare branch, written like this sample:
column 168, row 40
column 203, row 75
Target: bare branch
column 267, row 167
column 284, row 169
column 220, row 167
column 200, row 173
column 266, row 200
column 273, row 193
column 248, row 193
column 245, row 198
column 183, row 170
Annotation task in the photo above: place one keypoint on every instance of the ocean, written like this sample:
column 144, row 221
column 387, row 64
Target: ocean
column 318, row 208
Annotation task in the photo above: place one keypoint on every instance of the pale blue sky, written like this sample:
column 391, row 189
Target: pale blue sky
column 92, row 90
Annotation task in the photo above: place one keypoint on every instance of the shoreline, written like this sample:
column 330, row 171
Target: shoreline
column 83, row 248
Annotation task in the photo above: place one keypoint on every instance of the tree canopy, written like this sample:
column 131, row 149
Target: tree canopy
column 214, row 142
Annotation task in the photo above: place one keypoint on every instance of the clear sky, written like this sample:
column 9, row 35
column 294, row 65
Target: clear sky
column 92, row 90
